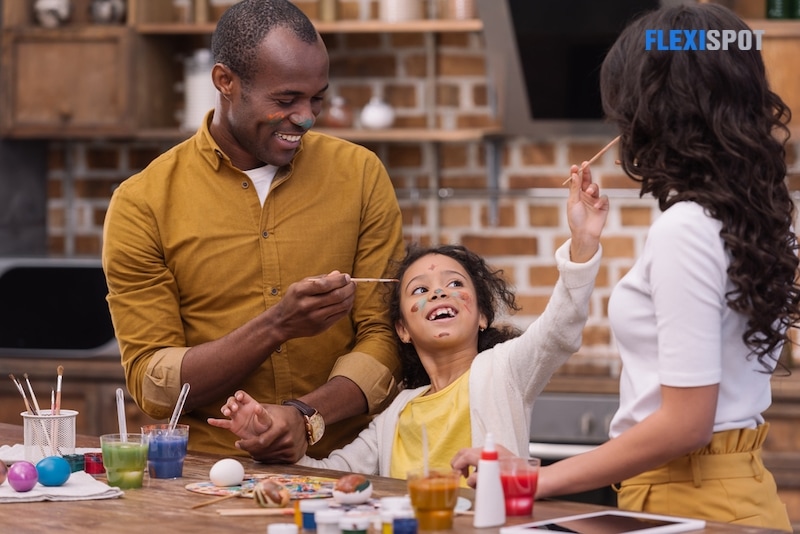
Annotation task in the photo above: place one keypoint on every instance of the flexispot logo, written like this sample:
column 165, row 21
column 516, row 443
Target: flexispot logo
column 702, row 39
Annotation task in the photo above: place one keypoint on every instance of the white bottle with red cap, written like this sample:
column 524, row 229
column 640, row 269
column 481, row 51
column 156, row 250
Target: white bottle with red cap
column 490, row 505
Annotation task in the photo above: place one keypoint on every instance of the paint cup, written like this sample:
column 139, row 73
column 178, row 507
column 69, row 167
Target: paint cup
column 166, row 449
column 124, row 461
column 433, row 497
column 519, row 477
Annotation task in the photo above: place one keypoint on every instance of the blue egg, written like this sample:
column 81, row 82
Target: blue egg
column 53, row 471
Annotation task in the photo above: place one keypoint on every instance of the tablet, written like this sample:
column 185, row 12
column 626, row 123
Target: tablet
column 609, row 522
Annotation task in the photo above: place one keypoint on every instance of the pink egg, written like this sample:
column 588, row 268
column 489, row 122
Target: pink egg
column 22, row 476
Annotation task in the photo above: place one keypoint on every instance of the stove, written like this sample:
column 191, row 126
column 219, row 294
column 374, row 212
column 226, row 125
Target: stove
column 566, row 424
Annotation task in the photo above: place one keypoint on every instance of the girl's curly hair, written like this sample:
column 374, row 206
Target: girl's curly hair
column 493, row 294
column 704, row 126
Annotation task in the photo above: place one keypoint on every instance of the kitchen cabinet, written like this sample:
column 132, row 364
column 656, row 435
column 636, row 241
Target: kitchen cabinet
column 72, row 81
column 121, row 81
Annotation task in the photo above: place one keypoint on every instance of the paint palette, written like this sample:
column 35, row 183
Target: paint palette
column 299, row 486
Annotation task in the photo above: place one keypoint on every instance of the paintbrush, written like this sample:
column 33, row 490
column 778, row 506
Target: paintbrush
column 29, row 410
column 33, row 395
column 361, row 280
column 218, row 499
column 57, row 407
column 255, row 511
column 21, row 392
column 594, row 158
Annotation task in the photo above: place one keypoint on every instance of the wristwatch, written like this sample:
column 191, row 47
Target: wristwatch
column 315, row 425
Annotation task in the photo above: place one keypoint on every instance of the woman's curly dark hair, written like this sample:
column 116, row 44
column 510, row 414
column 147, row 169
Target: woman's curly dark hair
column 704, row 126
column 493, row 294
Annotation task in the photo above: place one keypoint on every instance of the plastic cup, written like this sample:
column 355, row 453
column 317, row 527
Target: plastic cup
column 167, row 449
column 433, row 497
column 124, row 461
column 519, row 477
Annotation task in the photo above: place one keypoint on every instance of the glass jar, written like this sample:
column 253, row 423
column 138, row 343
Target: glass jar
column 400, row 10
column 328, row 10
column 778, row 9
column 461, row 9
column 338, row 115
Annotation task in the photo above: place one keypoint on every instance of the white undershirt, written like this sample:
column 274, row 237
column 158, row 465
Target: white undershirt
column 262, row 180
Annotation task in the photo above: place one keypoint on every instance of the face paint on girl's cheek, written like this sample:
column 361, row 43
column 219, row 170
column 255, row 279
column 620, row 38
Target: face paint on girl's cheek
column 419, row 305
column 463, row 297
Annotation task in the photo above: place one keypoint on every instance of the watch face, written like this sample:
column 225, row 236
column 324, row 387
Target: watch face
column 316, row 428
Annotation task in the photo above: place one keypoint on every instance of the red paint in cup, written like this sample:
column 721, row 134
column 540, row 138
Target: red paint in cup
column 93, row 463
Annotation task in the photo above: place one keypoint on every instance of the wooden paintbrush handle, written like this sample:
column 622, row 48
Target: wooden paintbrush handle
column 216, row 500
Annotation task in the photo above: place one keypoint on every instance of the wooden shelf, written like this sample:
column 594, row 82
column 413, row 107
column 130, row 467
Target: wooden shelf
column 776, row 28
column 394, row 135
column 148, row 45
column 415, row 26
column 174, row 28
column 342, row 26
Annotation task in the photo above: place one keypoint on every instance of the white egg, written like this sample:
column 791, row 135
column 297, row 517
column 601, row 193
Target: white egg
column 226, row 472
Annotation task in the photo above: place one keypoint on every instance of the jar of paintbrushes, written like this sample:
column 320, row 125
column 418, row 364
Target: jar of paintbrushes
column 46, row 432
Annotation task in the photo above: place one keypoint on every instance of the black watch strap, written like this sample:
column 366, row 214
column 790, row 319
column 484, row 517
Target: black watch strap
column 315, row 425
column 304, row 408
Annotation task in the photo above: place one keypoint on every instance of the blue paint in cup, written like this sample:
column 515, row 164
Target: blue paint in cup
column 167, row 450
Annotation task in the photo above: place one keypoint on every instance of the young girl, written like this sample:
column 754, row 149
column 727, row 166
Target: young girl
column 463, row 377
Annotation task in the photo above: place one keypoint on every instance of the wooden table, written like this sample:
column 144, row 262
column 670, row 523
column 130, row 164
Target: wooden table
column 166, row 505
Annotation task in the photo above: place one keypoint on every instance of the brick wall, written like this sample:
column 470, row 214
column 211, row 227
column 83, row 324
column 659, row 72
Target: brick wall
column 518, row 233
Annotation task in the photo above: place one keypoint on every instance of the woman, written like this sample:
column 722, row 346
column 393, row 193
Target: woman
column 701, row 317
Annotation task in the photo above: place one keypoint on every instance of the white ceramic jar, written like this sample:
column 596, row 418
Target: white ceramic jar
column 52, row 13
column 400, row 10
column 200, row 93
column 377, row 114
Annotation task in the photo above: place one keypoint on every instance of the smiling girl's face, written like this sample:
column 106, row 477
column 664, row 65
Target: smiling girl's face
column 438, row 305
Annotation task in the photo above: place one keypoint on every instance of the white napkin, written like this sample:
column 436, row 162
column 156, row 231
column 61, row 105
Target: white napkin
column 81, row 486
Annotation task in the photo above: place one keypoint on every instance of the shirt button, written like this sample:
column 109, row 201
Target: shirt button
column 218, row 152
column 245, row 185
column 265, row 234
column 278, row 349
column 274, row 291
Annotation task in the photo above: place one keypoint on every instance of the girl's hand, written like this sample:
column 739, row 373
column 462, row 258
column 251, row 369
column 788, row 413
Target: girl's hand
column 467, row 458
column 587, row 212
column 247, row 418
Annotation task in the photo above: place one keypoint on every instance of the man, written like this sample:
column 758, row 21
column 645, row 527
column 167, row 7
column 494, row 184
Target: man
column 228, row 259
